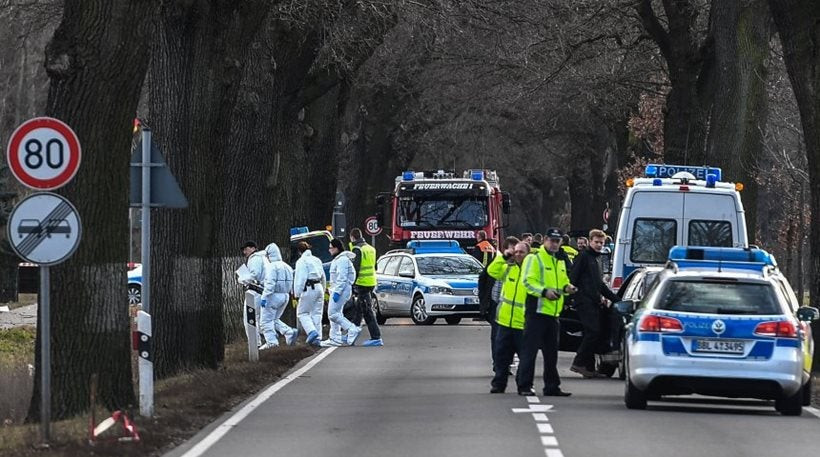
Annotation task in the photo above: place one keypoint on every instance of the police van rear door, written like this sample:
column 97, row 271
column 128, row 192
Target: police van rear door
column 654, row 227
column 713, row 219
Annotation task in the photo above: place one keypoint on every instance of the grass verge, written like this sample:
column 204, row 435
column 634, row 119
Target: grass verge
column 183, row 405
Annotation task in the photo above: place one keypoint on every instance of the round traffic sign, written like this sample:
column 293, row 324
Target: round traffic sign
column 44, row 228
column 371, row 226
column 44, row 153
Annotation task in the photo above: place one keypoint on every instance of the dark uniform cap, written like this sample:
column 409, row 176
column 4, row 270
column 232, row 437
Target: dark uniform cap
column 249, row 244
column 554, row 232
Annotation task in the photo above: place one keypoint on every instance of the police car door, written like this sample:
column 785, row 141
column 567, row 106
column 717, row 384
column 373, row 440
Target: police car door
column 654, row 227
column 405, row 283
column 386, row 282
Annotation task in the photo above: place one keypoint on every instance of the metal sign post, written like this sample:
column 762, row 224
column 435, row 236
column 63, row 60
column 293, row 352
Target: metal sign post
column 45, row 354
column 44, row 228
column 152, row 185
column 146, row 366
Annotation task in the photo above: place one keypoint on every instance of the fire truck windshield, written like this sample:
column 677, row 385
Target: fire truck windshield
column 443, row 211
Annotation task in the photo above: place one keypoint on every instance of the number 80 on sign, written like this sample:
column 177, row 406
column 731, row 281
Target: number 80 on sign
column 44, row 153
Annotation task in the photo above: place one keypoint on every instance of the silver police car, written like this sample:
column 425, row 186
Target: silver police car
column 720, row 322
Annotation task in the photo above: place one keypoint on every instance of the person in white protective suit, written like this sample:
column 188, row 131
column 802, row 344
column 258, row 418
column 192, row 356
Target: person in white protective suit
column 340, row 288
column 255, row 260
column 309, row 287
column 275, row 298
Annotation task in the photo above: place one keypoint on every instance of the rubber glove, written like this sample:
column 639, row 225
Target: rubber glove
column 336, row 297
column 263, row 303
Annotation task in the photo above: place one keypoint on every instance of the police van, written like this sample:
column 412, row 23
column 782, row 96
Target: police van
column 676, row 205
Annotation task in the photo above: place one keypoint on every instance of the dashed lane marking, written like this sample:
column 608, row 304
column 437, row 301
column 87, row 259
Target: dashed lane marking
column 540, row 417
column 549, row 440
column 544, row 428
column 553, row 453
column 532, row 399
column 813, row 410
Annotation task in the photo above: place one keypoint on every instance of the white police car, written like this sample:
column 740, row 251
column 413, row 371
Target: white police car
column 721, row 322
column 428, row 280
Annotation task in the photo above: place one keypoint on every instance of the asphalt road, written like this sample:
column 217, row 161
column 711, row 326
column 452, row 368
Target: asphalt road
column 426, row 394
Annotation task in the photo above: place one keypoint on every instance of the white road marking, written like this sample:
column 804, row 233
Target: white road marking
column 553, row 453
column 533, row 409
column 533, row 399
column 544, row 428
column 232, row 421
column 548, row 440
column 813, row 410
column 540, row 417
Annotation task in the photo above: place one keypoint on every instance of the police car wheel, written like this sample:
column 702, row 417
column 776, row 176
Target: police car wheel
column 807, row 393
column 418, row 312
column 380, row 319
column 134, row 294
column 633, row 398
column 790, row 406
column 607, row 369
column 622, row 361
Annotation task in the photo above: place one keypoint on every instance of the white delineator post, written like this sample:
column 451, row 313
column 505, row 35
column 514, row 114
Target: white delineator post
column 252, row 325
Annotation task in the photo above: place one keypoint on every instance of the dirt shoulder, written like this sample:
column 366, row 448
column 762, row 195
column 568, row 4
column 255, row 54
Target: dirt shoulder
column 183, row 405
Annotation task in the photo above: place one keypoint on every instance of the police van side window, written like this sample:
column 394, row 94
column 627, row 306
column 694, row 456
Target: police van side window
column 710, row 233
column 652, row 239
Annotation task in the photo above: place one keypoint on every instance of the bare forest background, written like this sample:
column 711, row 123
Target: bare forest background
column 265, row 109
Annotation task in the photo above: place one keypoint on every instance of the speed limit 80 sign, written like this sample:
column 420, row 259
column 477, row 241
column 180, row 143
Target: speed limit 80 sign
column 44, row 153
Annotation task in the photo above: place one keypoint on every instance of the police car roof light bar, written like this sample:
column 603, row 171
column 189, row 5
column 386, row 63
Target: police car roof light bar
column 298, row 230
column 720, row 258
column 435, row 247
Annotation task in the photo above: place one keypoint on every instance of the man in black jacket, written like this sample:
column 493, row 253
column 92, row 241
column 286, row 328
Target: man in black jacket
column 586, row 275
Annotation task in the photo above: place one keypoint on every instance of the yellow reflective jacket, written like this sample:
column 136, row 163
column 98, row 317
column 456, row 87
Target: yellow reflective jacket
column 543, row 271
column 510, row 312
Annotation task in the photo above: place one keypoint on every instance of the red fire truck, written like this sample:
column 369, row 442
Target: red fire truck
column 440, row 205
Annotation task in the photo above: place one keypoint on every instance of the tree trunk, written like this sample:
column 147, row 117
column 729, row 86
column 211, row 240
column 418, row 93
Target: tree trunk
column 741, row 32
column 199, row 52
column 96, row 63
column 689, row 66
column 798, row 24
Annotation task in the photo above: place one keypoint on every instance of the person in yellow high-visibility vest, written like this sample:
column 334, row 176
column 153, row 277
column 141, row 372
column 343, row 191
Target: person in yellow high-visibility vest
column 546, row 280
column 509, row 315
column 364, row 263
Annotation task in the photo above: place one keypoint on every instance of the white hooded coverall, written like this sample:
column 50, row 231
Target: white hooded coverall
column 277, row 286
column 342, row 277
column 311, row 298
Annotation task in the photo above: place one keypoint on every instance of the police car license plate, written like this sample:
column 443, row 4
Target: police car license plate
column 719, row 346
column 471, row 301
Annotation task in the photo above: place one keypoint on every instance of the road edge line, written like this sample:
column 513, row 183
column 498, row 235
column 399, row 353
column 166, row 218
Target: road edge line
column 813, row 410
column 222, row 429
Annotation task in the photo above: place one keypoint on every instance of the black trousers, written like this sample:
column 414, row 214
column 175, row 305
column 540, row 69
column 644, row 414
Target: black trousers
column 364, row 308
column 493, row 329
column 540, row 333
column 590, row 316
column 508, row 342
